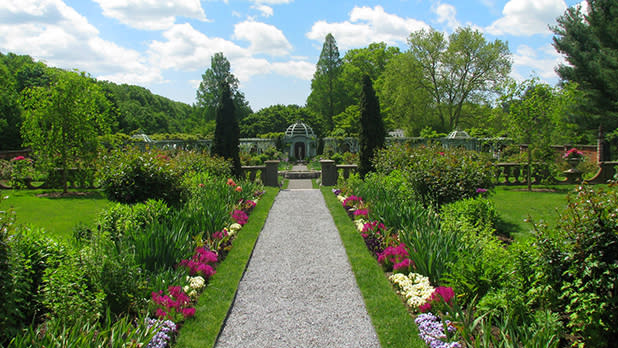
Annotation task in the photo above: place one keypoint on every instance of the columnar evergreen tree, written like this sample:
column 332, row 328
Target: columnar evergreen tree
column 227, row 131
column 372, row 132
column 327, row 94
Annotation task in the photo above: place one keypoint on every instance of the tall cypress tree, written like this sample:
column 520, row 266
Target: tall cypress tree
column 227, row 131
column 372, row 132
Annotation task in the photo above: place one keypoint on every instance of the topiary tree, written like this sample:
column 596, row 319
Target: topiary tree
column 372, row 131
column 227, row 131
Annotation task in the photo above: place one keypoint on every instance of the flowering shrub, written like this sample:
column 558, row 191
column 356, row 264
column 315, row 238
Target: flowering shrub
column 21, row 169
column 201, row 263
column 573, row 153
column 196, row 284
column 432, row 332
column 440, row 295
column 174, row 304
column 240, row 217
column 414, row 287
column 166, row 329
column 395, row 258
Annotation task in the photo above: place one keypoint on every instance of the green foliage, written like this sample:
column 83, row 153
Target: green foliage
column 438, row 175
column 475, row 211
column 122, row 333
column 70, row 289
column 590, row 52
column 131, row 176
column 120, row 219
column 372, row 131
column 276, row 118
column 210, row 90
column 227, row 131
column 63, row 120
column 326, row 96
column 30, row 255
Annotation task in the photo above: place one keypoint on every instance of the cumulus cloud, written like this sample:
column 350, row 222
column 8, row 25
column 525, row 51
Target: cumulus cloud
column 367, row 25
column 540, row 62
column 266, row 11
column 151, row 14
column 263, row 38
column 527, row 17
column 446, row 15
column 185, row 48
column 50, row 30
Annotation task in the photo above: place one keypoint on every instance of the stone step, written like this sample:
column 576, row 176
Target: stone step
column 301, row 175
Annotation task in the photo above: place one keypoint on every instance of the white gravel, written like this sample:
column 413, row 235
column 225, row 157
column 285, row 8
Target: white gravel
column 299, row 289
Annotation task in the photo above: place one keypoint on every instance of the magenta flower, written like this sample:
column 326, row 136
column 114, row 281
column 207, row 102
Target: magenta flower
column 481, row 190
column 440, row 294
column 240, row 217
column 363, row 212
column 188, row 312
column 19, row 158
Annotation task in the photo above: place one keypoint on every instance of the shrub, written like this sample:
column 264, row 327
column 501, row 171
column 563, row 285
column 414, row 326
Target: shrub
column 132, row 176
column 119, row 219
column 437, row 175
column 191, row 163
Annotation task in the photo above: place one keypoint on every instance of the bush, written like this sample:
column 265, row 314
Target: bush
column 192, row 162
column 477, row 211
column 120, row 219
column 130, row 176
column 437, row 175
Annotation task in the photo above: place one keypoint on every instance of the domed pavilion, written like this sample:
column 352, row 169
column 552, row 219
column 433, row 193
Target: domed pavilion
column 301, row 140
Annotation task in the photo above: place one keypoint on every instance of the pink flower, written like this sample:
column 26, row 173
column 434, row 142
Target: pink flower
column 440, row 294
column 188, row 312
column 238, row 189
column 240, row 217
column 19, row 158
column 217, row 235
column 403, row 265
column 363, row 212
column 231, row 182
column 161, row 313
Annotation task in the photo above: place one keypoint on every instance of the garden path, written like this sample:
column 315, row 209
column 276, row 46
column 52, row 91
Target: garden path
column 298, row 289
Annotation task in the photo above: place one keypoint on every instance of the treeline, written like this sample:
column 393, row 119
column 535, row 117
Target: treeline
column 129, row 109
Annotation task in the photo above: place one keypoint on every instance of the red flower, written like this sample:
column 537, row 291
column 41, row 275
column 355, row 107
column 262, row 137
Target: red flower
column 238, row 189
column 19, row 158
column 231, row 182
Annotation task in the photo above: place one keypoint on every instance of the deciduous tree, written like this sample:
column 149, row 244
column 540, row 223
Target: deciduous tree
column 62, row 121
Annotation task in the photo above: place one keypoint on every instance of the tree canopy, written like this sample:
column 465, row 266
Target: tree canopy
column 227, row 131
column 209, row 91
column 62, row 121
column 327, row 95
column 372, row 131
column 589, row 44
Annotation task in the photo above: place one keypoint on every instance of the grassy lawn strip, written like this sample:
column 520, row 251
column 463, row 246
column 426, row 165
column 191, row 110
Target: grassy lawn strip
column 57, row 216
column 514, row 205
column 216, row 300
column 391, row 320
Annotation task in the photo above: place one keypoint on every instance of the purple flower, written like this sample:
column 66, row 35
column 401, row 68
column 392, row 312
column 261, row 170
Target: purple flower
column 481, row 190
column 336, row 192
column 431, row 331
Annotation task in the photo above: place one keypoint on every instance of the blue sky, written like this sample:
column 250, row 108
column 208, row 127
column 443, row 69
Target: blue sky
column 273, row 45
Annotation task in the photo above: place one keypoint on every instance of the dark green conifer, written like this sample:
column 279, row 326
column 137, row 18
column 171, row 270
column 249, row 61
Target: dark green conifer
column 372, row 133
column 227, row 131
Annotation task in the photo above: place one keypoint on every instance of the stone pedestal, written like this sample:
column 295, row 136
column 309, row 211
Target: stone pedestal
column 270, row 174
column 329, row 173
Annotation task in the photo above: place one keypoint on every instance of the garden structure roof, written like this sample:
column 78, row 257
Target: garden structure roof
column 299, row 128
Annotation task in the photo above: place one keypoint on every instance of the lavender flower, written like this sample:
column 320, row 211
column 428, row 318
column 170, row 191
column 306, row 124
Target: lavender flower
column 431, row 331
column 165, row 330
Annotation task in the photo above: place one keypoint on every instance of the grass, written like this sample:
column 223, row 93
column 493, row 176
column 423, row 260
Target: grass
column 389, row 315
column 57, row 216
column 515, row 206
column 214, row 303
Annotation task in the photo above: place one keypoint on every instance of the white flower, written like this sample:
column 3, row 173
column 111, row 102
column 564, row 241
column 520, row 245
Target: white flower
column 235, row 227
column 360, row 224
column 341, row 198
column 414, row 287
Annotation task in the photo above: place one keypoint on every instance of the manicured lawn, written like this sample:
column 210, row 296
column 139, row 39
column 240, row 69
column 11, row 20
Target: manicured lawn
column 57, row 216
column 516, row 205
column 391, row 320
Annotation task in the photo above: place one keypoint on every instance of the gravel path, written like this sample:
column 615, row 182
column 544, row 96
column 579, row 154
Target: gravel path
column 298, row 290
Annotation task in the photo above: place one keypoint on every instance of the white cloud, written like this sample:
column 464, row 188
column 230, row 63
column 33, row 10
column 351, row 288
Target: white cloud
column 50, row 30
column 540, row 62
column 296, row 68
column 263, row 38
column 446, row 14
column 151, row 14
column 188, row 49
column 266, row 11
column 273, row 2
column 367, row 25
column 527, row 17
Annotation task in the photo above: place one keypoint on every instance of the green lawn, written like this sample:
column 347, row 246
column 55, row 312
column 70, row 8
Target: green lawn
column 57, row 216
column 515, row 206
